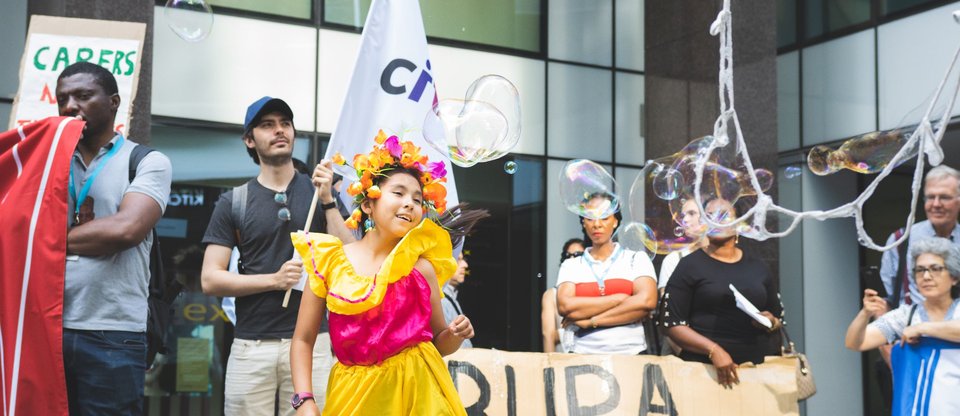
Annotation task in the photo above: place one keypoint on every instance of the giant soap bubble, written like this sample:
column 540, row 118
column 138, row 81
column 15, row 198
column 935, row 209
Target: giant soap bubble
column 869, row 153
column 587, row 190
column 482, row 127
column 191, row 20
column 662, row 199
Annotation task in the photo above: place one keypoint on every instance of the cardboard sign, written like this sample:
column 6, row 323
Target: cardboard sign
column 53, row 43
column 494, row 382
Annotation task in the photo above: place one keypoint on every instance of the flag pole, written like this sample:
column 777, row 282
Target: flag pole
column 306, row 227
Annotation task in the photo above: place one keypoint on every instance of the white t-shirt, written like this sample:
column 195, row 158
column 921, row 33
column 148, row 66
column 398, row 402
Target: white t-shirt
column 618, row 273
column 669, row 265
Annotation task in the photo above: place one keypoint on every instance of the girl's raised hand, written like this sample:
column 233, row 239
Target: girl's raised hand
column 461, row 327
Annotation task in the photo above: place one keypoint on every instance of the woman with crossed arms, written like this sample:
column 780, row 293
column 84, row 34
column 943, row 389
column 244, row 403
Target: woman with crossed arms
column 607, row 291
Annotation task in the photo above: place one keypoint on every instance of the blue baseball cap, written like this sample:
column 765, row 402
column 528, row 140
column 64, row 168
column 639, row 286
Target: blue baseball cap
column 265, row 105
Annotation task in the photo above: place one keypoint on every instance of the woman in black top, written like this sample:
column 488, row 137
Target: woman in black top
column 700, row 311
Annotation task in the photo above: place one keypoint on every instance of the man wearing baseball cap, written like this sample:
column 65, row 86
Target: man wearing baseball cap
column 267, row 209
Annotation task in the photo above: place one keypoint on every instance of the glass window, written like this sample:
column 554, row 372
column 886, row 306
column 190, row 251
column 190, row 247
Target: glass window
column 788, row 101
column 786, row 22
column 906, row 88
column 513, row 24
column 825, row 16
column 505, row 252
column 629, row 109
column 189, row 150
column 839, row 91
column 630, row 43
column 893, row 6
column 5, row 109
column 625, row 179
column 579, row 122
column 581, row 31
column 300, row 9
column 13, row 31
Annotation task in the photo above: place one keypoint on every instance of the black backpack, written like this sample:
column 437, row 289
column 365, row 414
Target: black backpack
column 163, row 288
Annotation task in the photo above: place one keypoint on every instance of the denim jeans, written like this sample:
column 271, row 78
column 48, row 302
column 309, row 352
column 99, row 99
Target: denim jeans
column 105, row 371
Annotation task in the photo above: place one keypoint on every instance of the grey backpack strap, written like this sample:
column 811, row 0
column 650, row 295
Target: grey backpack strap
column 238, row 209
column 239, row 204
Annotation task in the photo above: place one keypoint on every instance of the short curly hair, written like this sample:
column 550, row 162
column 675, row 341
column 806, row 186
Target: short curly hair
column 945, row 249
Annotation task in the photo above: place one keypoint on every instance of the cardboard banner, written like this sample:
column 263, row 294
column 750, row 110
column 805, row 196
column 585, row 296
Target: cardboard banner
column 494, row 382
column 53, row 43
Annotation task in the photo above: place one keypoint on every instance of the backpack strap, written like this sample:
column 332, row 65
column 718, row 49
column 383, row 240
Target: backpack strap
column 136, row 156
column 238, row 210
column 913, row 309
column 900, row 279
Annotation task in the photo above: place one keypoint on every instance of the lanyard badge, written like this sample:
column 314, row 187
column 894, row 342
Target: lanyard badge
column 79, row 197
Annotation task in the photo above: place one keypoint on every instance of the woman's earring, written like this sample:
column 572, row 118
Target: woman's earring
column 368, row 225
column 736, row 239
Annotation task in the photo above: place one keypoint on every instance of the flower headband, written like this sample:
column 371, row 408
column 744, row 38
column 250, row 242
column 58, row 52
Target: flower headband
column 388, row 154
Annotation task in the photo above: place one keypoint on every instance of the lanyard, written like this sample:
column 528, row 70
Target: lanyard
column 602, row 277
column 80, row 197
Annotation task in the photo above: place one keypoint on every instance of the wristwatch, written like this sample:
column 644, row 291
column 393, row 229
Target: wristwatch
column 298, row 398
column 331, row 205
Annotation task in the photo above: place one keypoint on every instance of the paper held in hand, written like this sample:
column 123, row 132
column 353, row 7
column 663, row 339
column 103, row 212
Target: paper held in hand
column 744, row 305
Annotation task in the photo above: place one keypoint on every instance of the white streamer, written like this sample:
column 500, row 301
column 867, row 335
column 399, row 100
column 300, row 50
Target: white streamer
column 926, row 136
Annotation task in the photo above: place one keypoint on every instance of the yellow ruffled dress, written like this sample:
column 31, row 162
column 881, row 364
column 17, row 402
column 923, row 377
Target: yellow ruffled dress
column 380, row 326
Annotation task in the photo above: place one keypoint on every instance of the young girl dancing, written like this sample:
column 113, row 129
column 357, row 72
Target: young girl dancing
column 383, row 292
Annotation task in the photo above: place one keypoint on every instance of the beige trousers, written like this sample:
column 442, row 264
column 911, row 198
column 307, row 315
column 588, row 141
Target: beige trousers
column 256, row 370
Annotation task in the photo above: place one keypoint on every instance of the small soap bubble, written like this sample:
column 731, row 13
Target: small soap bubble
column 869, row 153
column 191, row 20
column 667, row 183
column 678, row 232
column 510, row 167
column 791, row 172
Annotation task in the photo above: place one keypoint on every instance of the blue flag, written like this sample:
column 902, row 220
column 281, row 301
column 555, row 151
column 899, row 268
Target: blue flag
column 926, row 378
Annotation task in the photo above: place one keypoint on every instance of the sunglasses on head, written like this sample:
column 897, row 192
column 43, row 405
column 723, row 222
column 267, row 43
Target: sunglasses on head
column 569, row 255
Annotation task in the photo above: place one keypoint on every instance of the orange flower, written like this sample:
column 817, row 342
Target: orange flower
column 355, row 215
column 407, row 160
column 381, row 137
column 373, row 192
column 351, row 224
column 425, row 178
column 361, row 162
column 355, row 189
column 435, row 192
column 367, row 180
column 338, row 159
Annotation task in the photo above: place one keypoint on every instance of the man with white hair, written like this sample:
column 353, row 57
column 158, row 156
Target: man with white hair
column 941, row 202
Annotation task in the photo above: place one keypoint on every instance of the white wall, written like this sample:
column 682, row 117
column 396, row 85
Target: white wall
column 913, row 55
column 839, row 89
column 241, row 61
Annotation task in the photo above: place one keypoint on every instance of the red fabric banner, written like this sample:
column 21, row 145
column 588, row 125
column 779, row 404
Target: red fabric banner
column 34, row 171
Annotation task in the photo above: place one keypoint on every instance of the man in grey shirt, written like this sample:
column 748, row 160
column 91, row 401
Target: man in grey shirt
column 941, row 203
column 108, row 248
column 451, row 307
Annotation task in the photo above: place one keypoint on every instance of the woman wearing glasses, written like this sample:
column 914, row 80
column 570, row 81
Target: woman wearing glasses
column 936, row 272
column 549, row 318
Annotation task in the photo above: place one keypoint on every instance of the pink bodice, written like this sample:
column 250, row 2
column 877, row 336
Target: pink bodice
column 400, row 321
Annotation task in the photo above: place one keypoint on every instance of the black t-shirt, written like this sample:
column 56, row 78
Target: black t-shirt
column 265, row 245
column 698, row 295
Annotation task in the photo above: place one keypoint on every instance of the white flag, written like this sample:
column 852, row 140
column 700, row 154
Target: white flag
column 391, row 88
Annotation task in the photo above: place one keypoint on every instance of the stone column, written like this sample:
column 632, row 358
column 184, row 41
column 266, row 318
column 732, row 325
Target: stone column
column 118, row 10
column 682, row 99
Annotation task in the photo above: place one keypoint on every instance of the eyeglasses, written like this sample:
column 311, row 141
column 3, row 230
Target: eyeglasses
column 934, row 270
column 283, row 213
column 570, row 255
column 942, row 198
